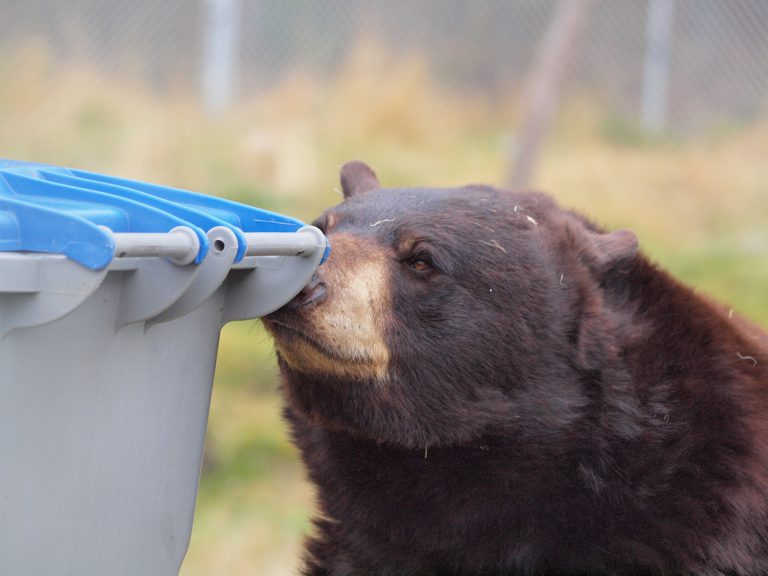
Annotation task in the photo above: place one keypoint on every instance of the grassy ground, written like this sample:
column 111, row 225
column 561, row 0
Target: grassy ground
column 699, row 207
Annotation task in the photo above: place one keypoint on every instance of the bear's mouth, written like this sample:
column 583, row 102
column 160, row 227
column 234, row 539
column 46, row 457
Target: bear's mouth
column 291, row 336
column 304, row 353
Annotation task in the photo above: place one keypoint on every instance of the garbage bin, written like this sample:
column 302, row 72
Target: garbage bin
column 112, row 296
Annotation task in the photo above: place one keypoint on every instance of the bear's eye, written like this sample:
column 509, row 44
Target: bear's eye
column 421, row 263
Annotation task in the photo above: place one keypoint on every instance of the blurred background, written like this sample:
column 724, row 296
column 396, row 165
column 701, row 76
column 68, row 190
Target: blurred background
column 646, row 114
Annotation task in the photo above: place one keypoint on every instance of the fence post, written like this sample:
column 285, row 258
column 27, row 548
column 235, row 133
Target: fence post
column 221, row 20
column 544, row 86
column 656, row 69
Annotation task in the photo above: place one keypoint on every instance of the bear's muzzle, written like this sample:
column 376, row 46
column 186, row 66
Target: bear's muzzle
column 336, row 324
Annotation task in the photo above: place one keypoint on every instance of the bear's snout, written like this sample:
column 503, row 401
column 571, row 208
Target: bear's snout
column 336, row 324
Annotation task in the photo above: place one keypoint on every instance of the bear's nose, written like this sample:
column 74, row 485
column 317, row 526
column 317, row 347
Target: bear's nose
column 313, row 291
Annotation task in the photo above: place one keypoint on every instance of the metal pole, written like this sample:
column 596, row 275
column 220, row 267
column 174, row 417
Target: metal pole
column 220, row 50
column 656, row 70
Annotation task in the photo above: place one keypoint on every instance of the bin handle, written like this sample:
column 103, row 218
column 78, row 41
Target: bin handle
column 181, row 244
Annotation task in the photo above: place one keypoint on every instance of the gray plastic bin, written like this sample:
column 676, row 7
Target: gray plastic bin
column 112, row 296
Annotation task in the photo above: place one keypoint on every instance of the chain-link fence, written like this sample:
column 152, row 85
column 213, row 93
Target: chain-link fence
column 710, row 56
column 429, row 92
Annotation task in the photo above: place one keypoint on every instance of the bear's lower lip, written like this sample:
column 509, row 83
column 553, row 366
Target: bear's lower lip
column 281, row 329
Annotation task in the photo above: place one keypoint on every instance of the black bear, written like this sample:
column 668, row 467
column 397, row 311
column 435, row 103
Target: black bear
column 483, row 383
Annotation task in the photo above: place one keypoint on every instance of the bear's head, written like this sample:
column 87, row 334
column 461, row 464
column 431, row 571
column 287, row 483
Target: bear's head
column 443, row 315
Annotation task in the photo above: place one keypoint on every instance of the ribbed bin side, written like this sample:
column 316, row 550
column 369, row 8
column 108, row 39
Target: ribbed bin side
column 102, row 435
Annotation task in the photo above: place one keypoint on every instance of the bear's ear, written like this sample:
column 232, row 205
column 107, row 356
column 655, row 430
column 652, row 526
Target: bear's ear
column 357, row 178
column 606, row 252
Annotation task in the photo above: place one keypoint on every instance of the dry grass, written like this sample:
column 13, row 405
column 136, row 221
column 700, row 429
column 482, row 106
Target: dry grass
column 699, row 207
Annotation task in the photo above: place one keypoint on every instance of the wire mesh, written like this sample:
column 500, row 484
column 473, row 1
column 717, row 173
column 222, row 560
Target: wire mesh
column 718, row 64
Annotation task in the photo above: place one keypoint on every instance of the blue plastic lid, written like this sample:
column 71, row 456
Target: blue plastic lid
column 59, row 210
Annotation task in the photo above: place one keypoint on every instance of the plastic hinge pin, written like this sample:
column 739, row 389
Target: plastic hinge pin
column 180, row 245
column 305, row 242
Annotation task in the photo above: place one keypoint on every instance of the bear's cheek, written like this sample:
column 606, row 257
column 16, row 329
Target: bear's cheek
column 343, row 333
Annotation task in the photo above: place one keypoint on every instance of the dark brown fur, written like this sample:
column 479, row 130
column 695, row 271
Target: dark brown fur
column 554, row 404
